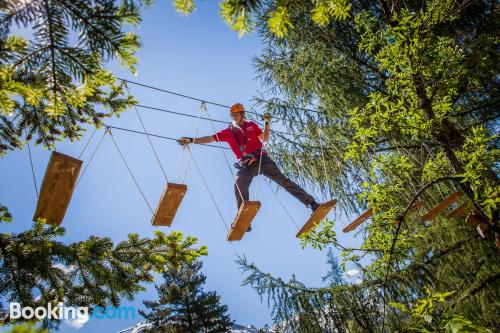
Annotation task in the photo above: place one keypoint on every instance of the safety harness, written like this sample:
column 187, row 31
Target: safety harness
column 247, row 159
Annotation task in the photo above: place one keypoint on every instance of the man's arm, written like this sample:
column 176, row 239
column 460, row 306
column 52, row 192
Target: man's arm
column 204, row 139
column 184, row 141
column 264, row 136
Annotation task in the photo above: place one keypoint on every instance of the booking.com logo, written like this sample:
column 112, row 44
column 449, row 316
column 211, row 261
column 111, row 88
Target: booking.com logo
column 62, row 312
column 110, row 312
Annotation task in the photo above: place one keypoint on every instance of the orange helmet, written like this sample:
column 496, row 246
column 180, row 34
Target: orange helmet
column 237, row 107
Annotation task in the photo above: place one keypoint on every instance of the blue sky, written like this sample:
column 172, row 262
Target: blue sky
column 197, row 56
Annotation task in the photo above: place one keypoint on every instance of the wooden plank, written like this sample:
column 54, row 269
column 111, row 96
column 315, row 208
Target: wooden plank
column 318, row 215
column 57, row 188
column 472, row 219
column 360, row 219
column 441, row 206
column 460, row 211
column 246, row 213
column 169, row 203
column 369, row 213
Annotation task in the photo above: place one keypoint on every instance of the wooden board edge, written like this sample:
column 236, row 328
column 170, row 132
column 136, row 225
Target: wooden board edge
column 311, row 222
column 353, row 225
column 57, row 155
column 460, row 211
column 442, row 205
column 177, row 185
column 168, row 186
column 358, row 220
column 246, row 204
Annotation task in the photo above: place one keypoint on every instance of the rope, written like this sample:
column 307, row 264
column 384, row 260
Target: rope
column 178, row 113
column 258, row 173
column 283, row 206
column 179, row 172
column 130, row 171
column 174, row 93
column 204, row 118
column 203, row 106
column 86, row 145
column 301, row 176
column 201, row 100
column 158, row 136
column 260, row 163
column 149, row 140
column 212, row 103
column 209, row 192
column 91, row 157
column 33, row 170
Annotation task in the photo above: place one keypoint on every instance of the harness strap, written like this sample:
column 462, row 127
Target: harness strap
column 244, row 146
column 248, row 158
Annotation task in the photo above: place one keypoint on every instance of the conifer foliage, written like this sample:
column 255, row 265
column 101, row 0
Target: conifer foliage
column 36, row 269
column 184, row 306
column 337, row 307
column 52, row 78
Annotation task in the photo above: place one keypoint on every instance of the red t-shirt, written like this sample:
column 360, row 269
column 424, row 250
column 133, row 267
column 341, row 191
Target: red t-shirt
column 248, row 134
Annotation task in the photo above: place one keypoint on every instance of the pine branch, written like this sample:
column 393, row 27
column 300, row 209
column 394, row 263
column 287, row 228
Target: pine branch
column 94, row 272
column 52, row 48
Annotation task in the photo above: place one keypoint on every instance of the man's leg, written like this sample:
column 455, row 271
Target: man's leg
column 242, row 184
column 271, row 170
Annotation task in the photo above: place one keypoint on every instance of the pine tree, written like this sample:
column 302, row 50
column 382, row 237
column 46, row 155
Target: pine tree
column 337, row 307
column 36, row 269
column 184, row 306
column 26, row 328
column 51, row 86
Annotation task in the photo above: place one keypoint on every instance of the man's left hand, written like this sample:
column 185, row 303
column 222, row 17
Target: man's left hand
column 267, row 117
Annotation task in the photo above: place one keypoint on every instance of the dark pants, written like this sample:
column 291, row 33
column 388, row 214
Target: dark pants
column 270, row 170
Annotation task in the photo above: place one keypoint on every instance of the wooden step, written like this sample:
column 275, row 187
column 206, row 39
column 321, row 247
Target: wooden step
column 460, row 211
column 246, row 213
column 441, row 206
column 369, row 213
column 318, row 215
column 360, row 219
column 57, row 188
column 169, row 203
column 472, row 219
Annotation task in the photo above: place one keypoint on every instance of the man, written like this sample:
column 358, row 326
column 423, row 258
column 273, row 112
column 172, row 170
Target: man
column 245, row 139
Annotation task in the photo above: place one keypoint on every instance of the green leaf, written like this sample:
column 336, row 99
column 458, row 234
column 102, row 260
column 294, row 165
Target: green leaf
column 398, row 306
column 279, row 22
column 184, row 7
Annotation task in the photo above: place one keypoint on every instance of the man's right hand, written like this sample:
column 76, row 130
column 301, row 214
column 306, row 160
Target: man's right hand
column 185, row 141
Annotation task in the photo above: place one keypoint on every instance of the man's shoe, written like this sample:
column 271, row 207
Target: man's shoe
column 314, row 205
column 249, row 228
